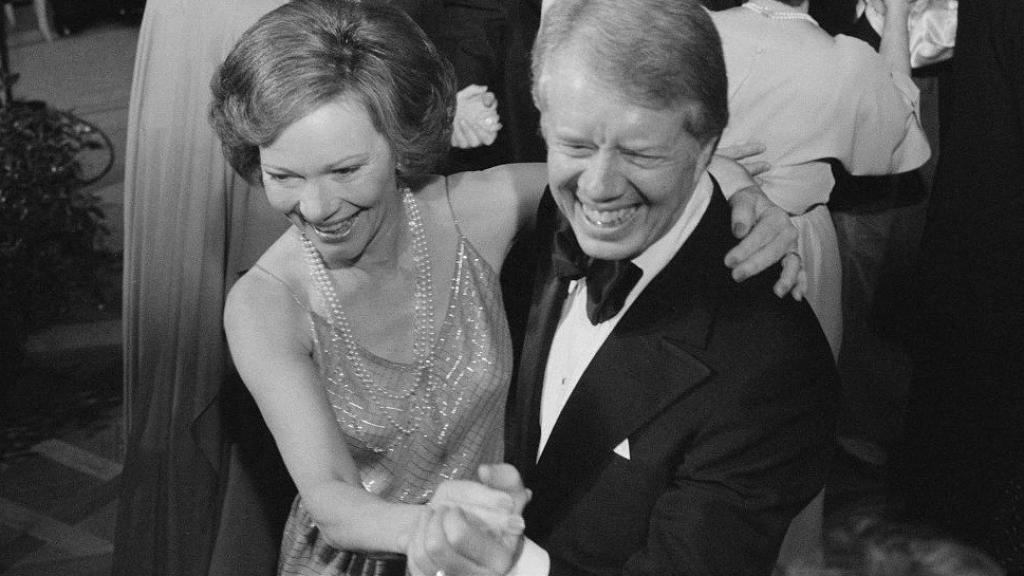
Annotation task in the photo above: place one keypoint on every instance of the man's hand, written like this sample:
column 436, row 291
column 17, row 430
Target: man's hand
column 455, row 542
column 497, row 508
column 476, row 120
column 472, row 528
column 767, row 237
column 506, row 478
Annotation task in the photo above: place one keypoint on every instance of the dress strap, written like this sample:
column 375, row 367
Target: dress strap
column 451, row 208
column 287, row 287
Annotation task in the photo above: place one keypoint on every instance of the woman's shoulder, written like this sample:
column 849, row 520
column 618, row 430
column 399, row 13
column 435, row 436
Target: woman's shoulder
column 275, row 285
column 490, row 205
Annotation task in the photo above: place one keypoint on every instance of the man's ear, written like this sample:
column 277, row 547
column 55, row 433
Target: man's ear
column 704, row 158
column 539, row 102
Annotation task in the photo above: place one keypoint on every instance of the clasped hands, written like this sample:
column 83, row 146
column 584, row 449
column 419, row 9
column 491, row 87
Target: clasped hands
column 471, row 528
column 476, row 121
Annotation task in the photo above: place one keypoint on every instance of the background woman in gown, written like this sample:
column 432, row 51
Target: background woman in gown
column 811, row 99
column 191, row 224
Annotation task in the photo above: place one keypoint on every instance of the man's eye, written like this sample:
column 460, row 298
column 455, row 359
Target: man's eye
column 642, row 159
column 576, row 149
column 277, row 177
column 345, row 171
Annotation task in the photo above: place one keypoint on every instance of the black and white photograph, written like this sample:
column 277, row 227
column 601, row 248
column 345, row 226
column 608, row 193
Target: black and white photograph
column 512, row 288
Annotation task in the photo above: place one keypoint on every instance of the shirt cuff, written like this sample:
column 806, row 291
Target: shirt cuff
column 534, row 561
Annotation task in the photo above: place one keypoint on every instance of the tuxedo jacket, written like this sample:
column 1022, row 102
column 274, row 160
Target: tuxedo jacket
column 726, row 396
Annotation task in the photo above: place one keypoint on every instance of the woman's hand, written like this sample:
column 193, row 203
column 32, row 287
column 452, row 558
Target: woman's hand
column 471, row 528
column 451, row 541
column 741, row 154
column 767, row 237
column 476, row 120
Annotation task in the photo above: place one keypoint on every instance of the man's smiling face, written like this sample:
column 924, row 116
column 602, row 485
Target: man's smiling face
column 620, row 172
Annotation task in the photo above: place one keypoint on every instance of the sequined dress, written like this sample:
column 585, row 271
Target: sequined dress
column 460, row 428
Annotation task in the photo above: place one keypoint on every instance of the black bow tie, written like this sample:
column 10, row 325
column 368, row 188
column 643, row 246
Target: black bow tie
column 608, row 281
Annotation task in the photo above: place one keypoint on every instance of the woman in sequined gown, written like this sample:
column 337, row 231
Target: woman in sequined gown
column 372, row 333
column 369, row 415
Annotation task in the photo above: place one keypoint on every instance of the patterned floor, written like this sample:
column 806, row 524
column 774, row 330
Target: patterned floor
column 61, row 445
column 60, row 422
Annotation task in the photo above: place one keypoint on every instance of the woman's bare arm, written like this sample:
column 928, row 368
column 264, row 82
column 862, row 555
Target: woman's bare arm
column 268, row 334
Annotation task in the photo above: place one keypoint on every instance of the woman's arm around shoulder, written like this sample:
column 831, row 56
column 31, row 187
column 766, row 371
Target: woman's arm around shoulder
column 497, row 204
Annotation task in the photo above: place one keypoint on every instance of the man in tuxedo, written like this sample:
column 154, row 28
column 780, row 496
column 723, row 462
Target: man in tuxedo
column 667, row 419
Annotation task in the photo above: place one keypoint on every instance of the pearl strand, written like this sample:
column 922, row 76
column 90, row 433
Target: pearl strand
column 777, row 15
column 423, row 322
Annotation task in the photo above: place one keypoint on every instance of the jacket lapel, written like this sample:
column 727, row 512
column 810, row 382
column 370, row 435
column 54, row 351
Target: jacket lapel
column 549, row 293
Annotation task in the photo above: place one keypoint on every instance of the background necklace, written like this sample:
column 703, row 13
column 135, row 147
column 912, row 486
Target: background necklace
column 778, row 14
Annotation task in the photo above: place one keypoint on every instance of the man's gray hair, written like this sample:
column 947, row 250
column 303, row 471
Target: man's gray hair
column 658, row 53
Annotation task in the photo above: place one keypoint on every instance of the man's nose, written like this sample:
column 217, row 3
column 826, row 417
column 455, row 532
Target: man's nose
column 316, row 203
column 600, row 179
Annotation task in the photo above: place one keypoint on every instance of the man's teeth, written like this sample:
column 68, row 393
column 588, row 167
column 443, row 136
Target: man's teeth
column 607, row 218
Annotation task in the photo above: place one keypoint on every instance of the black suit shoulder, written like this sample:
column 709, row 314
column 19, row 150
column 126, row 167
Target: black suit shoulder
column 757, row 344
column 749, row 308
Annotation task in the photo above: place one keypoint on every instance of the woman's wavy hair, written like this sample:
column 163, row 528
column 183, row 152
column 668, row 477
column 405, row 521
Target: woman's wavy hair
column 308, row 53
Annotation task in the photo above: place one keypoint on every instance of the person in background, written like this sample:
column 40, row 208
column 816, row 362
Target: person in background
column 866, row 542
column 813, row 99
column 666, row 419
column 371, row 333
column 878, row 221
column 960, row 462
column 191, row 226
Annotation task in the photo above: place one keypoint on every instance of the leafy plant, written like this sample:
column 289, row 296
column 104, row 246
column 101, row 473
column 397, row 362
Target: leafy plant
column 51, row 227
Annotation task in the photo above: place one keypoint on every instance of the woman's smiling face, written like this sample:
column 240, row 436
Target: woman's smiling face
column 333, row 175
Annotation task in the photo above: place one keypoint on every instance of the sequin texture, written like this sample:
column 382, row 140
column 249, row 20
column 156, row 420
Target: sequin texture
column 470, row 363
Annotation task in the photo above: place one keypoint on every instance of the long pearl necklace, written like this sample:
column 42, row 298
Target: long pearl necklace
column 778, row 15
column 423, row 325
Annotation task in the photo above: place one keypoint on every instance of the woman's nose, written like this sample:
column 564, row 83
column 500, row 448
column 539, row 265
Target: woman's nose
column 316, row 203
column 600, row 179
